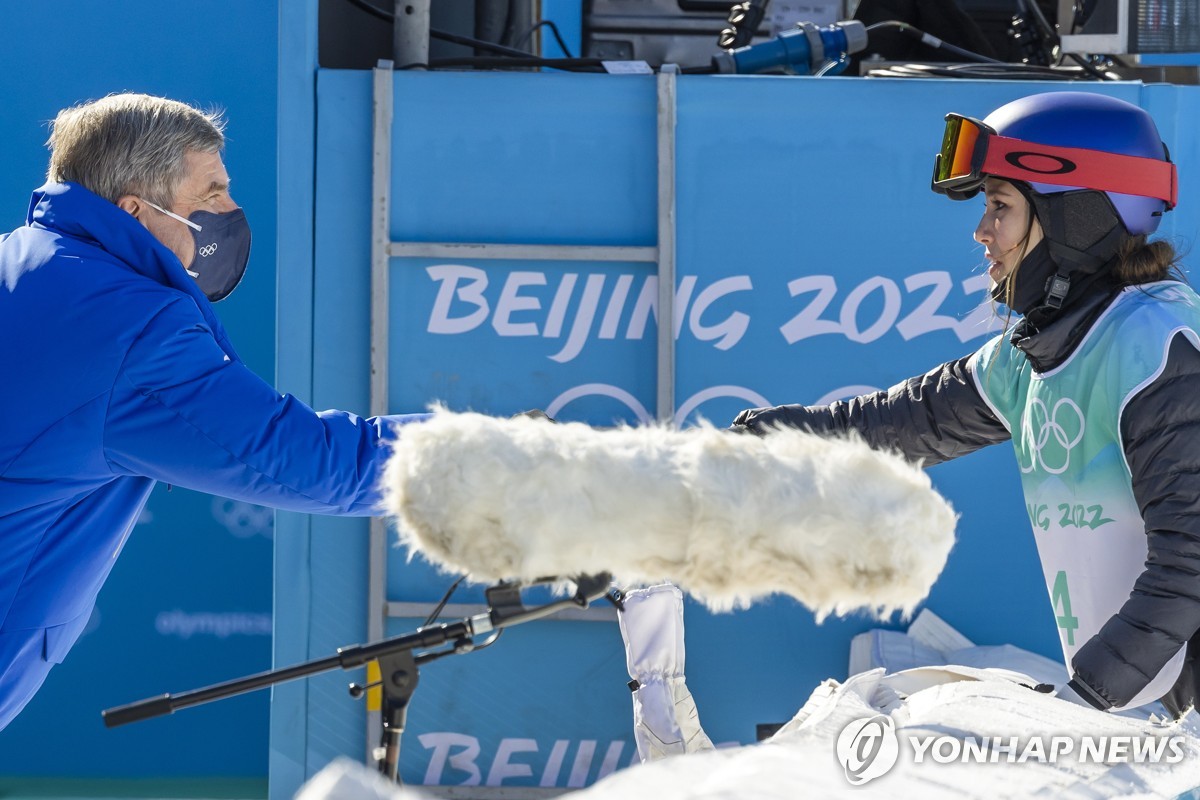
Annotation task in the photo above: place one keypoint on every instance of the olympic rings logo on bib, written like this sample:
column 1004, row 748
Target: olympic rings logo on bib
column 1050, row 434
column 208, row 249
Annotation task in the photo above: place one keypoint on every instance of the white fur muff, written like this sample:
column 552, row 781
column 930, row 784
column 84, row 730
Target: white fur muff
column 728, row 518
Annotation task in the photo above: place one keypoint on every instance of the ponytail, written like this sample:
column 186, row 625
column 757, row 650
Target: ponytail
column 1140, row 261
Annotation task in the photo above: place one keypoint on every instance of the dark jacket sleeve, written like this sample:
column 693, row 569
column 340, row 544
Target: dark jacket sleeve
column 930, row 418
column 1160, row 430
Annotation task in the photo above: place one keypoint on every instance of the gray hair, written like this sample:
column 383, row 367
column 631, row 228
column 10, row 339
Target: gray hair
column 130, row 144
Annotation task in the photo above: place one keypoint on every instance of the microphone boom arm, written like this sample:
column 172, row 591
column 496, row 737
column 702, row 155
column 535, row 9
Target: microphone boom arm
column 504, row 609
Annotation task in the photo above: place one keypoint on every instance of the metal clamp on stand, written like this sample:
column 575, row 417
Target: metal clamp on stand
column 400, row 678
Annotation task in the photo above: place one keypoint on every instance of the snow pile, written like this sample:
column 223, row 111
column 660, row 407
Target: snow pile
column 940, row 710
column 344, row 779
column 930, row 641
column 960, row 733
column 728, row 518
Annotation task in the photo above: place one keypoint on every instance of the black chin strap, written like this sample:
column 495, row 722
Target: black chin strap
column 1083, row 286
column 1078, row 263
column 1075, row 260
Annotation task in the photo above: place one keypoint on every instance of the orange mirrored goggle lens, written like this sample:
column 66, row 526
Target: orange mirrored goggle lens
column 958, row 149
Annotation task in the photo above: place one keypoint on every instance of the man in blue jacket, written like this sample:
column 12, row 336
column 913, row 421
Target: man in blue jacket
column 117, row 373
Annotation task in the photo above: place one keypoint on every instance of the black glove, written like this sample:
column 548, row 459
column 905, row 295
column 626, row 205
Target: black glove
column 534, row 413
column 761, row 421
column 758, row 421
column 1081, row 695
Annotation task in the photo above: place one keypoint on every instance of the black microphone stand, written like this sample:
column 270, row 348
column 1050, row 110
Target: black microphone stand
column 398, row 664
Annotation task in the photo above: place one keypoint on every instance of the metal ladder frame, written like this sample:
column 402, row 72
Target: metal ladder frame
column 383, row 250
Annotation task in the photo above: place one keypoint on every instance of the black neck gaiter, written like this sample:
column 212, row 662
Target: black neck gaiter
column 1032, row 277
column 1081, row 236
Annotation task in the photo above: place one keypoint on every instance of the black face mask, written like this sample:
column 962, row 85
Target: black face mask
column 222, row 249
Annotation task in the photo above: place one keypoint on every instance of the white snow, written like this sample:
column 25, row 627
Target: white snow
column 800, row 760
column 935, row 710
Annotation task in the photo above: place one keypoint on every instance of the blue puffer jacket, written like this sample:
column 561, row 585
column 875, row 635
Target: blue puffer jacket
column 114, row 374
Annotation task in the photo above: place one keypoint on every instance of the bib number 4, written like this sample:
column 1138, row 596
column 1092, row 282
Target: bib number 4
column 1060, row 598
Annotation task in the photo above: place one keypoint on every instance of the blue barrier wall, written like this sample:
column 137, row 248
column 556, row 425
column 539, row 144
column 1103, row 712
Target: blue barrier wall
column 189, row 602
column 812, row 259
column 813, row 262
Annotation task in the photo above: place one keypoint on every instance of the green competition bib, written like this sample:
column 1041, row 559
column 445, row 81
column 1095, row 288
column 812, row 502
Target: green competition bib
column 1066, row 430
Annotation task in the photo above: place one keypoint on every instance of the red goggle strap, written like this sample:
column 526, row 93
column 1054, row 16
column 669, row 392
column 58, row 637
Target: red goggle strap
column 1073, row 166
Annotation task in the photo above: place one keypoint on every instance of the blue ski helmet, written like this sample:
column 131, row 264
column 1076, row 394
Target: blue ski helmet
column 1092, row 122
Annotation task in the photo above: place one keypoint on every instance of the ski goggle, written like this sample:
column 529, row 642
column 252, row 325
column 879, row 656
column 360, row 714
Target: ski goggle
column 971, row 151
